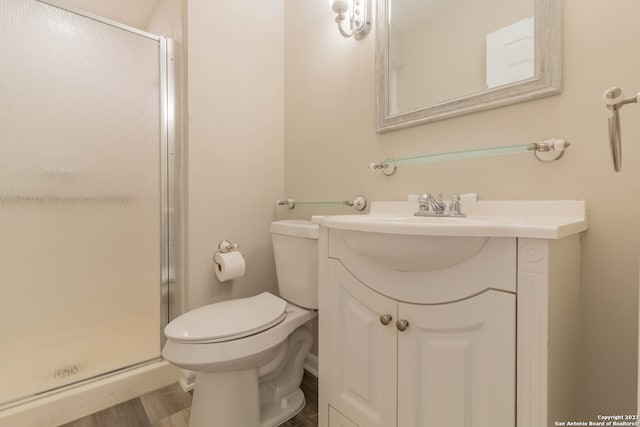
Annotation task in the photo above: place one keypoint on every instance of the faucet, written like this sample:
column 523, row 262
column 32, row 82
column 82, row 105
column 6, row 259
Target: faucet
column 438, row 207
column 427, row 200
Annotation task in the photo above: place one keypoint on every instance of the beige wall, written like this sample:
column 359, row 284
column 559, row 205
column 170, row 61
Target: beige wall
column 235, row 142
column 330, row 138
column 166, row 19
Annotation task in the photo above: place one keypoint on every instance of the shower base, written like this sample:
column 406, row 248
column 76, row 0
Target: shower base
column 73, row 402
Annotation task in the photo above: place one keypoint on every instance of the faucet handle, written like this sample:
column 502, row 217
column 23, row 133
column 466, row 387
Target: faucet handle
column 423, row 202
column 454, row 207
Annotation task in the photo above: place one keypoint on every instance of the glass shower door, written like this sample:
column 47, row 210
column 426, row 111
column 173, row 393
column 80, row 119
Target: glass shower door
column 80, row 197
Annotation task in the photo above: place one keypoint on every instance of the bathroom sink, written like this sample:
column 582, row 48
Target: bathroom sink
column 392, row 236
column 533, row 219
column 405, row 252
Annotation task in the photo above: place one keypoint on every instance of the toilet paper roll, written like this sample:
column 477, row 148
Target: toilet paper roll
column 229, row 265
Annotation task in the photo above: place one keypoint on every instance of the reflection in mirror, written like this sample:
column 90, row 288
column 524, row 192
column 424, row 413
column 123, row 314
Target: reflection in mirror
column 442, row 58
column 471, row 54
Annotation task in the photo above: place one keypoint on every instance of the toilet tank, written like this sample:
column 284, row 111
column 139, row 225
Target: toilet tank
column 295, row 247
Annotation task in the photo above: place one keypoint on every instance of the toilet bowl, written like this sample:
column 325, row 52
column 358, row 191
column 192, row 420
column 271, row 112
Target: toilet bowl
column 249, row 353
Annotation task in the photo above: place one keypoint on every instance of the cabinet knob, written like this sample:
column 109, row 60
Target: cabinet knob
column 385, row 319
column 402, row 324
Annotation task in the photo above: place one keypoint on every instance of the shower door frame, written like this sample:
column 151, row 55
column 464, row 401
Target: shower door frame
column 169, row 197
column 168, row 158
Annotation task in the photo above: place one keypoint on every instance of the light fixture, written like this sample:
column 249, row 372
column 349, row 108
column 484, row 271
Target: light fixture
column 353, row 14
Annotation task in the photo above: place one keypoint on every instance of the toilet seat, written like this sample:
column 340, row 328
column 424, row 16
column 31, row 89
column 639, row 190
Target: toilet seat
column 235, row 353
column 228, row 320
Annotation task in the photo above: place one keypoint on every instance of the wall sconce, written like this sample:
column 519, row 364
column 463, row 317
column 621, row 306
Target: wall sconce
column 356, row 13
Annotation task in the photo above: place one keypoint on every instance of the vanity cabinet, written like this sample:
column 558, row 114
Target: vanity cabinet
column 487, row 341
column 424, row 365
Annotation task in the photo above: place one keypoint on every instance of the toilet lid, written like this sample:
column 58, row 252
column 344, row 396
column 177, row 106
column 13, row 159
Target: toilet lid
column 228, row 320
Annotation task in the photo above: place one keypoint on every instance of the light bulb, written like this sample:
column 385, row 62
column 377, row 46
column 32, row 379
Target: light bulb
column 340, row 6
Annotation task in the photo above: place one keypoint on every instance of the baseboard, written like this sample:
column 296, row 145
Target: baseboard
column 311, row 364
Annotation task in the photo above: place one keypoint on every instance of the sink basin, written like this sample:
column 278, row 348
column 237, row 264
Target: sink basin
column 404, row 252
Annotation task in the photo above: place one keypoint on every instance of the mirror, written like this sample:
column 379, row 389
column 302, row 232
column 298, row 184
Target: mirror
column 438, row 59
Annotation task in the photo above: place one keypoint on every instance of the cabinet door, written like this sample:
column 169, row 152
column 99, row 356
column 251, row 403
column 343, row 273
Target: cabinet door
column 456, row 363
column 336, row 419
column 361, row 351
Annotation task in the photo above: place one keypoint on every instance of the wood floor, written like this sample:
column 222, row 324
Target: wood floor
column 170, row 406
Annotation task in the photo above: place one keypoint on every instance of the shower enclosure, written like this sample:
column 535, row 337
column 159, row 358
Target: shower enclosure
column 86, row 149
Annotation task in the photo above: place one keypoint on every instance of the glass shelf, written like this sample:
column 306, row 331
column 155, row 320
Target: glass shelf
column 540, row 149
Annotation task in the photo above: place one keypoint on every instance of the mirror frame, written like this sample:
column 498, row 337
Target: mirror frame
column 546, row 81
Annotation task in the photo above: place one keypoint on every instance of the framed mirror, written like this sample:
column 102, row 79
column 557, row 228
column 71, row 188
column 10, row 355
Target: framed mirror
column 439, row 59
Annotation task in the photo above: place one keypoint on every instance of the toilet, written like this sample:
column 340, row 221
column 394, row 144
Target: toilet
column 249, row 353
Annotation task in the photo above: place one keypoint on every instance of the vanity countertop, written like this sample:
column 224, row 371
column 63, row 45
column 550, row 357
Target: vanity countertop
column 543, row 219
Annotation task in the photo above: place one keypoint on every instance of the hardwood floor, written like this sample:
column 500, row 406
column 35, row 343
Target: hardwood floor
column 170, row 406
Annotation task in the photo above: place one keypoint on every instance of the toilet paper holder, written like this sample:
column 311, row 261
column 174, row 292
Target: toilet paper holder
column 229, row 261
column 226, row 246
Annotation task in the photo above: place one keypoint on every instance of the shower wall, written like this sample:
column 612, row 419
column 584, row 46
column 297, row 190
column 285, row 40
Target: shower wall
column 80, row 198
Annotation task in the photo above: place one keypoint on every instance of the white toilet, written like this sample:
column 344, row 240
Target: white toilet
column 249, row 352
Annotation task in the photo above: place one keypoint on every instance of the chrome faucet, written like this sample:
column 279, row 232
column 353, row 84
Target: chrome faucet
column 427, row 200
column 438, row 207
